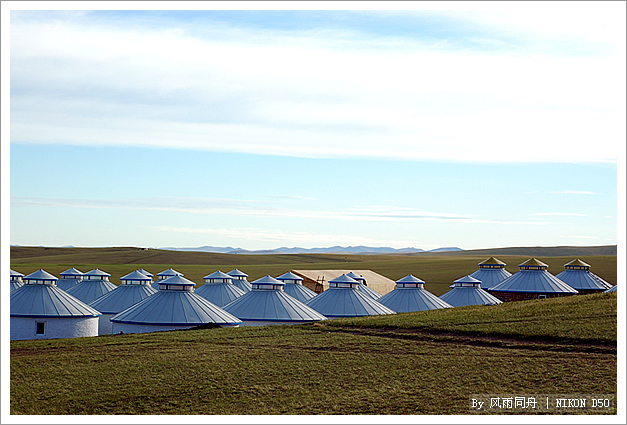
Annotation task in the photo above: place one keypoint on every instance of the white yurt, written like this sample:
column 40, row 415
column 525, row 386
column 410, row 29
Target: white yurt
column 174, row 306
column 40, row 310
column 344, row 299
column 268, row 304
column 410, row 295
column 219, row 289
column 363, row 286
column 95, row 283
column 533, row 281
column 294, row 287
column 467, row 291
column 16, row 280
column 133, row 288
column 240, row 279
column 578, row 276
column 165, row 275
column 69, row 278
column 491, row 272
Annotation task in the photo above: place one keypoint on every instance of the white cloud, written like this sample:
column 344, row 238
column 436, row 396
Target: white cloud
column 234, row 207
column 574, row 192
column 302, row 95
column 302, row 239
column 560, row 213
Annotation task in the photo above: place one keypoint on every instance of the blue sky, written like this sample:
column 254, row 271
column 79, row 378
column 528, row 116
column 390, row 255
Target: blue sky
column 498, row 125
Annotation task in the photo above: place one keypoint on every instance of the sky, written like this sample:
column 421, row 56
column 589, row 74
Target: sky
column 427, row 126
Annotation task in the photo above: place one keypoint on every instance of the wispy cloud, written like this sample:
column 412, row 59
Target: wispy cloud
column 574, row 192
column 303, row 239
column 317, row 93
column 233, row 207
column 561, row 213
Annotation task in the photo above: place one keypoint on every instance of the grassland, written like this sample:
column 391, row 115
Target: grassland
column 410, row 364
column 407, row 364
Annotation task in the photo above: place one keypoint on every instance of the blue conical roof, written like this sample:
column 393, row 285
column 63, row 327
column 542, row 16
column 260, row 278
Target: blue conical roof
column 16, row 280
column 347, row 302
column 69, row 278
column 136, row 275
column 71, row 272
column 145, row 272
column 612, row 289
column 345, row 278
column 272, row 306
column 122, row 298
column 165, row 275
column 40, row 274
column 298, row 291
column 267, row 280
column 220, row 293
column 461, row 296
column 243, row 284
column 583, row 279
column 369, row 291
column 490, row 277
column 219, row 275
column 360, row 280
column 404, row 300
column 177, row 280
column 96, row 272
column 175, row 308
column 237, row 273
column 170, row 272
column 355, row 276
column 88, row 290
column 16, row 274
column 289, row 276
column 47, row 301
column 239, row 280
column 467, row 280
column 533, row 281
column 410, row 279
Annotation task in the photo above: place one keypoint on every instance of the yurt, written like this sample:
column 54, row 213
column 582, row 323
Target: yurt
column 146, row 273
column 133, row 288
column 530, row 282
column 410, row 295
column 165, row 275
column 268, row 304
column 467, row 291
column 294, row 287
column 344, row 299
column 491, row 272
column 40, row 310
column 69, row 278
column 219, row 289
column 95, row 283
column 577, row 275
column 16, row 280
column 363, row 286
column 174, row 306
column 240, row 279
column 612, row 289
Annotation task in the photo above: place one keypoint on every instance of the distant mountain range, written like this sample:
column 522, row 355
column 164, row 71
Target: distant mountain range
column 353, row 250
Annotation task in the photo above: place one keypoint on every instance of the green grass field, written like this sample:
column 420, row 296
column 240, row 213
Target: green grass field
column 413, row 364
column 407, row 364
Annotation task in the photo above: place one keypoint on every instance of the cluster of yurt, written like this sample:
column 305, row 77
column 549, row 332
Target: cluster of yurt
column 89, row 304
